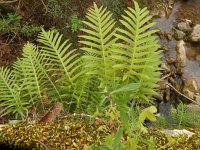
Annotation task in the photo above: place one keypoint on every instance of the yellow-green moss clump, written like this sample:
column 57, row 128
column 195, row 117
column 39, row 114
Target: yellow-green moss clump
column 165, row 142
column 66, row 135
column 76, row 135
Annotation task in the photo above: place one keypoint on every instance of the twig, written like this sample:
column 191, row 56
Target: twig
column 166, row 76
column 7, row 2
column 182, row 94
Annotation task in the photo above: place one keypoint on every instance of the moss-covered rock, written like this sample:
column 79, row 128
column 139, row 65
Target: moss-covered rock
column 75, row 135
column 65, row 135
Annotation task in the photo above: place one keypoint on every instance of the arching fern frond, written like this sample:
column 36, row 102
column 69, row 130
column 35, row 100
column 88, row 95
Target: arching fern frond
column 137, row 51
column 98, row 39
column 64, row 65
column 31, row 73
column 59, row 57
column 10, row 98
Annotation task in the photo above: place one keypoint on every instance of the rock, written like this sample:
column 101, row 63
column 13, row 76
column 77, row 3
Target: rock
column 168, row 94
column 193, row 107
column 188, row 21
column 191, row 84
column 162, row 84
column 176, row 132
column 162, row 14
column 197, row 99
column 184, row 26
column 165, row 67
column 198, row 58
column 159, row 97
column 171, row 80
column 180, row 57
column 179, row 35
column 195, row 35
column 188, row 93
column 169, row 36
column 191, row 89
column 170, row 60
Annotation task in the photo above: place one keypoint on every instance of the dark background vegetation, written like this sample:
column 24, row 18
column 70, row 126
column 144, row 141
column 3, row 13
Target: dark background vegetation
column 21, row 20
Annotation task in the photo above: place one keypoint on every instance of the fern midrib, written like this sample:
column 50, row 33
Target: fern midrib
column 102, row 46
column 57, row 53
column 134, row 46
column 35, row 75
column 44, row 71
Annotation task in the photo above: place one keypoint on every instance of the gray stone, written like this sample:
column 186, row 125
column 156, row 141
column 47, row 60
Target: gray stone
column 195, row 35
column 192, row 85
column 184, row 26
column 165, row 67
column 180, row 57
column 179, row 35
column 191, row 89
column 197, row 99
column 177, row 132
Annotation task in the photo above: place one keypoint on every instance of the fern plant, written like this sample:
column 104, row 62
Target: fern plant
column 30, row 74
column 98, row 39
column 180, row 117
column 64, row 65
column 136, row 52
column 115, row 64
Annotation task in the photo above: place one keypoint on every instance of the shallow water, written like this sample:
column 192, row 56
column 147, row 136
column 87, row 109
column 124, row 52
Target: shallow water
column 182, row 10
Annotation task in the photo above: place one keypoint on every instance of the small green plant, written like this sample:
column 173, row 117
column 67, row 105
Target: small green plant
column 180, row 117
column 12, row 25
column 75, row 23
column 129, row 131
column 55, row 7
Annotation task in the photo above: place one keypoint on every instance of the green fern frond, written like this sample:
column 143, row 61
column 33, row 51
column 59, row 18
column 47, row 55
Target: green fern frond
column 137, row 53
column 98, row 39
column 10, row 97
column 31, row 73
column 60, row 57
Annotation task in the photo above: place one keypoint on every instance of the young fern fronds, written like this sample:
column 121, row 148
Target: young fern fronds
column 31, row 73
column 98, row 39
column 10, row 98
column 64, row 65
column 136, row 53
column 59, row 57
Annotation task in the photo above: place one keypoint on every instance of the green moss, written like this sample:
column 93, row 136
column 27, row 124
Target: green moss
column 64, row 135
column 77, row 134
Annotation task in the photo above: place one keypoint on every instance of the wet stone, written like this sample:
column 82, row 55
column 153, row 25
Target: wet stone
column 179, row 35
column 191, row 84
column 184, row 26
column 165, row 67
column 195, row 35
column 191, row 89
column 180, row 57
column 162, row 84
